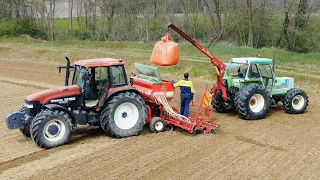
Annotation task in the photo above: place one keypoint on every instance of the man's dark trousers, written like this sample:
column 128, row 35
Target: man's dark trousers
column 185, row 102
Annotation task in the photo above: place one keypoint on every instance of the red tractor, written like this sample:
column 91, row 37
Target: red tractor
column 99, row 96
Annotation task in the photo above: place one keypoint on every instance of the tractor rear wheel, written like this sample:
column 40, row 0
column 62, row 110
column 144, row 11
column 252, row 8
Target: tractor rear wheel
column 124, row 115
column 51, row 128
column 295, row 101
column 252, row 102
column 157, row 125
column 26, row 129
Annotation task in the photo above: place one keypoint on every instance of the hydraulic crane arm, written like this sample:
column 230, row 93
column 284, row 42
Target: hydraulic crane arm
column 214, row 60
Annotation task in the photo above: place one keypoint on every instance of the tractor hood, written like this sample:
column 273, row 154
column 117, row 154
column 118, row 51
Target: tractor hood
column 54, row 93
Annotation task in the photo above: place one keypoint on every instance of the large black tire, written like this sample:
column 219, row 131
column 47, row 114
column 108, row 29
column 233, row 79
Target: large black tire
column 51, row 128
column 295, row 101
column 157, row 125
column 252, row 102
column 236, row 98
column 26, row 129
column 219, row 104
column 124, row 115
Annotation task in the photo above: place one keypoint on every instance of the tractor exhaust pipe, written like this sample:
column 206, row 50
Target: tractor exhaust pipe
column 67, row 71
column 274, row 61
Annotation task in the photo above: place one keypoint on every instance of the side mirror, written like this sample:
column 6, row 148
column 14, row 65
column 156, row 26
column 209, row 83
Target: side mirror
column 59, row 67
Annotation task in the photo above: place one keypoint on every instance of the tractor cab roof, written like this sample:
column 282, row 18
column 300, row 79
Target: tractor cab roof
column 251, row 60
column 99, row 62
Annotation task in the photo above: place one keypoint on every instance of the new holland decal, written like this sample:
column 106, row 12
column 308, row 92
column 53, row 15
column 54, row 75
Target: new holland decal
column 63, row 101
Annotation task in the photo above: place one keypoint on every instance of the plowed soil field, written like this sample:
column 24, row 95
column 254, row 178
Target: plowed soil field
column 281, row 146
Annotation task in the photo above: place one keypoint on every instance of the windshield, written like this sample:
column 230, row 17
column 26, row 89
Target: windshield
column 77, row 76
column 234, row 69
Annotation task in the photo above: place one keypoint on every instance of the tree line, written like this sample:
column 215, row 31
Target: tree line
column 293, row 25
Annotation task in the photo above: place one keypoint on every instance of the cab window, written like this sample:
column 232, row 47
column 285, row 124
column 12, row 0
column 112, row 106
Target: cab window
column 266, row 73
column 235, row 69
column 77, row 80
column 265, row 70
column 253, row 71
column 102, row 75
column 118, row 76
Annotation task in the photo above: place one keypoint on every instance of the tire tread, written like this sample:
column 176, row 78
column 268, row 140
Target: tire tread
column 38, row 120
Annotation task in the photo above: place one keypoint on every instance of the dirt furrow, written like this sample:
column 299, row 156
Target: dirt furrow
column 31, row 73
column 115, row 157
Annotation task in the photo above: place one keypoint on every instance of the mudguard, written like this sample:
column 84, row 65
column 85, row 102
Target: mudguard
column 110, row 92
column 57, row 106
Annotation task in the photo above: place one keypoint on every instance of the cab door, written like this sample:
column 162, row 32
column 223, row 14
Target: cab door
column 102, row 79
column 118, row 76
column 267, row 76
column 109, row 78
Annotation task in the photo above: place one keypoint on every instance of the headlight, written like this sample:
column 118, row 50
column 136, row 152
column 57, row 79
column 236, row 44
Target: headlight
column 29, row 106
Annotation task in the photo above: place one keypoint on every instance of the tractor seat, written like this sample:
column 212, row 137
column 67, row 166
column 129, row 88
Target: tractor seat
column 91, row 103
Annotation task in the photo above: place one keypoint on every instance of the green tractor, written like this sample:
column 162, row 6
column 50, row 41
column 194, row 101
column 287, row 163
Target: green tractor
column 249, row 86
column 252, row 88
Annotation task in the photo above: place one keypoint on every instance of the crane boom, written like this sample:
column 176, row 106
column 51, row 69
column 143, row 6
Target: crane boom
column 214, row 60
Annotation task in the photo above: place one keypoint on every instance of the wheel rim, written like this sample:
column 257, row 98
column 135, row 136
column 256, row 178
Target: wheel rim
column 297, row 102
column 158, row 126
column 126, row 115
column 54, row 130
column 256, row 103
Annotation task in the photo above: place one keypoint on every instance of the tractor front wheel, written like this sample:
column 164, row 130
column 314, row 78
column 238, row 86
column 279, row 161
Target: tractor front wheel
column 26, row 128
column 252, row 102
column 295, row 101
column 124, row 115
column 51, row 128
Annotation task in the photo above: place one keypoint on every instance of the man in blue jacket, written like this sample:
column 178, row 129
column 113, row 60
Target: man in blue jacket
column 186, row 95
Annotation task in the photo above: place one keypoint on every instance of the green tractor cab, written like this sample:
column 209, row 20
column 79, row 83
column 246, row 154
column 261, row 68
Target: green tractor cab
column 252, row 87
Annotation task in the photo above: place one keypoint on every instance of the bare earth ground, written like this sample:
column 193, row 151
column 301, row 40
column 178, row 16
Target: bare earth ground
column 281, row 146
